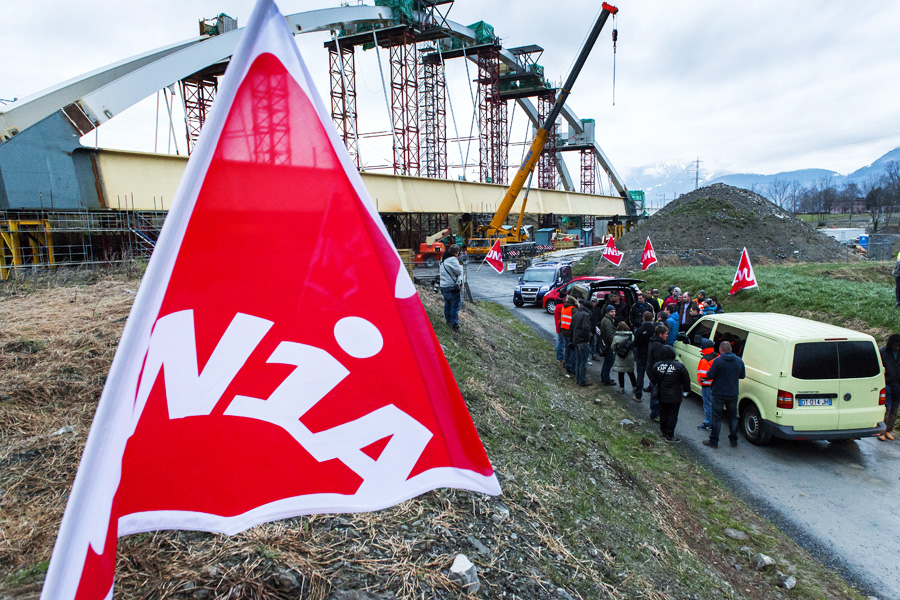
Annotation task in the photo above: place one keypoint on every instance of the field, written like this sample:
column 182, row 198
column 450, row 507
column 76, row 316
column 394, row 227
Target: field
column 590, row 509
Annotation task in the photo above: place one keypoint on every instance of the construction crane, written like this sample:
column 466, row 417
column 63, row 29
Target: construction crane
column 485, row 235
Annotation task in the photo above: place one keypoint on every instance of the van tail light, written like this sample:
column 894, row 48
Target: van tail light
column 882, row 397
column 785, row 399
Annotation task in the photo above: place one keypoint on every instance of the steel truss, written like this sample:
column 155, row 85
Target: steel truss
column 342, row 71
column 492, row 118
column 588, row 172
column 198, row 92
column 271, row 128
column 434, row 118
column 405, row 103
column 546, row 168
column 408, row 230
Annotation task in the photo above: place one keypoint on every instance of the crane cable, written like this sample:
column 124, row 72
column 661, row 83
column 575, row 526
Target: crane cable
column 615, row 38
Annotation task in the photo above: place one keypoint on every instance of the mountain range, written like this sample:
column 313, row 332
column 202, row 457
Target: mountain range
column 666, row 181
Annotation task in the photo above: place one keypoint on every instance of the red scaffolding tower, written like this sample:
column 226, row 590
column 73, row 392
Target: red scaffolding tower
column 546, row 167
column 492, row 121
column 198, row 92
column 405, row 102
column 588, row 172
column 434, row 116
column 342, row 71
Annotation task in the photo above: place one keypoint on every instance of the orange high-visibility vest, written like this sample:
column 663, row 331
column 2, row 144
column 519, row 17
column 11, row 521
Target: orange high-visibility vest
column 565, row 318
column 709, row 355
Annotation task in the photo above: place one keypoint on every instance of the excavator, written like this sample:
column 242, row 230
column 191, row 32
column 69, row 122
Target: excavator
column 484, row 236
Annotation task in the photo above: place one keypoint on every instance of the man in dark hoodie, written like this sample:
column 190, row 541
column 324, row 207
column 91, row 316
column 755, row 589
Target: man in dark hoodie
column 725, row 374
column 642, row 337
column 671, row 380
column 582, row 329
column 638, row 309
column 607, row 332
column 654, row 349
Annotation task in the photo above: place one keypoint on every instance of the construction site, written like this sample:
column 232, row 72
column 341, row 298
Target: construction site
column 62, row 202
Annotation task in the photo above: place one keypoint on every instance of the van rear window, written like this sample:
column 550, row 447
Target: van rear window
column 835, row 360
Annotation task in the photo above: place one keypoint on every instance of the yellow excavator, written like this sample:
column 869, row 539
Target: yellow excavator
column 484, row 236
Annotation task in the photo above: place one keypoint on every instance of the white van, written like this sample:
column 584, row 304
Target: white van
column 805, row 380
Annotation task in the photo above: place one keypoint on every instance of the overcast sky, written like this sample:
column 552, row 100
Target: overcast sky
column 760, row 86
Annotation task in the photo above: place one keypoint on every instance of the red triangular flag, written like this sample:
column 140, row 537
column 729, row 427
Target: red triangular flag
column 244, row 390
column 494, row 257
column 745, row 278
column 611, row 253
column 648, row 257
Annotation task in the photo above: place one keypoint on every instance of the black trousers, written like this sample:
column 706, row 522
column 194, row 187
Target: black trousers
column 668, row 418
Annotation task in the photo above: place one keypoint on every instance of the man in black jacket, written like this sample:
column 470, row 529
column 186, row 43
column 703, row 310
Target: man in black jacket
column 654, row 348
column 671, row 380
column 725, row 374
column 582, row 329
column 642, row 337
column 890, row 358
column 636, row 315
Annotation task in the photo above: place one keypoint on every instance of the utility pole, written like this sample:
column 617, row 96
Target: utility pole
column 697, row 175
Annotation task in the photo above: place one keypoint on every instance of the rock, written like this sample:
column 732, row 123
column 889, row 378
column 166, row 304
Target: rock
column 646, row 442
column 465, row 574
column 736, row 534
column 285, row 579
column 788, row 582
column 360, row 595
column 564, row 594
column 64, row 430
column 479, row 547
column 201, row 594
column 598, row 401
column 627, row 424
column 5, row 397
column 501, row 511
column 763, row 562
column 746, row 551
column 212, row 572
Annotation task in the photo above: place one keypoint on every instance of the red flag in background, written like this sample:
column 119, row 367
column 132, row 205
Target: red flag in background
column 495, row 257
column 648, row 256
column 611, row 253
column 244, row 390
column 745, row 278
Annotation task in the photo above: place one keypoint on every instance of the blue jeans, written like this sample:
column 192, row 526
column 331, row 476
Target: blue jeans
column 561, row 346
column 452, row 301
column 892, row 403
column 640, row 367
column 706, row 394
column 723, row 408
column 608, row 359
column 583, row 351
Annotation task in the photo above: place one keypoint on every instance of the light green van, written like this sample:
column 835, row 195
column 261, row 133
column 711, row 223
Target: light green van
column 805, row 380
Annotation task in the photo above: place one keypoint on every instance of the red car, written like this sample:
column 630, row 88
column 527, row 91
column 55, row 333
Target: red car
column 552, row 297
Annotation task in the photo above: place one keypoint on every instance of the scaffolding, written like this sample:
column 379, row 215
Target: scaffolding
column 405, row 102
column 492, row 121
column 588, row 172
column 434, row 116
column 546, row 168
column 342, row 69
column 198, row 92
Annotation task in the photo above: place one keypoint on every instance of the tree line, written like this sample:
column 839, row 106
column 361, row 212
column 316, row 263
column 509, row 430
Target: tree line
column 878, row 197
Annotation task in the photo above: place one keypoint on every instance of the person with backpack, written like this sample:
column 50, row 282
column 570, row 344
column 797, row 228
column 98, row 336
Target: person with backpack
column 707, row 355
column 623, row 346
column 451, row 277
column 642, row 337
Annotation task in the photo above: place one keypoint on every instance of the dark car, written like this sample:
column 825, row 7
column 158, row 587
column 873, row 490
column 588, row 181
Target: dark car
column 538, row 279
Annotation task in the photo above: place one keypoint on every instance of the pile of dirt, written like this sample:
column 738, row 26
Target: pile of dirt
column 711, row 225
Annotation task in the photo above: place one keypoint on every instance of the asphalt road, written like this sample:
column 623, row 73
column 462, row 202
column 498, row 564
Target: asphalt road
column 839, row 500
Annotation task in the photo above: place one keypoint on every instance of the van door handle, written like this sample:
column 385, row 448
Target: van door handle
column 847, row 397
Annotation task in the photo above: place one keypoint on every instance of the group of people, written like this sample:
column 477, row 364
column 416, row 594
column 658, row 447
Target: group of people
column 637, row 340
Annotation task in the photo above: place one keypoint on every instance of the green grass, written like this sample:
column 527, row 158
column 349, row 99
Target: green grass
column 855, row 295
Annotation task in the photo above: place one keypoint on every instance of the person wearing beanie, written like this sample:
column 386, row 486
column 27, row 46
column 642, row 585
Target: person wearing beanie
column 707, row 355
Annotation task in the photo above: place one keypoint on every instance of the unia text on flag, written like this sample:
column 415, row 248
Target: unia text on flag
column 495, row 257
column 247, row 390
column 745, row 278
column 648, row 256
column 611, row 253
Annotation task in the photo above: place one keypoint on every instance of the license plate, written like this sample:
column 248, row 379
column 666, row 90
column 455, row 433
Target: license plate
column 814, row 402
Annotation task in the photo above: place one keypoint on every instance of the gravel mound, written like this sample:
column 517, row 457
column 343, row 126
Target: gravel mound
column 711, row 225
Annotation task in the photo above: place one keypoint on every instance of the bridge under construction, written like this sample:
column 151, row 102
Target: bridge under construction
column 51, row 184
